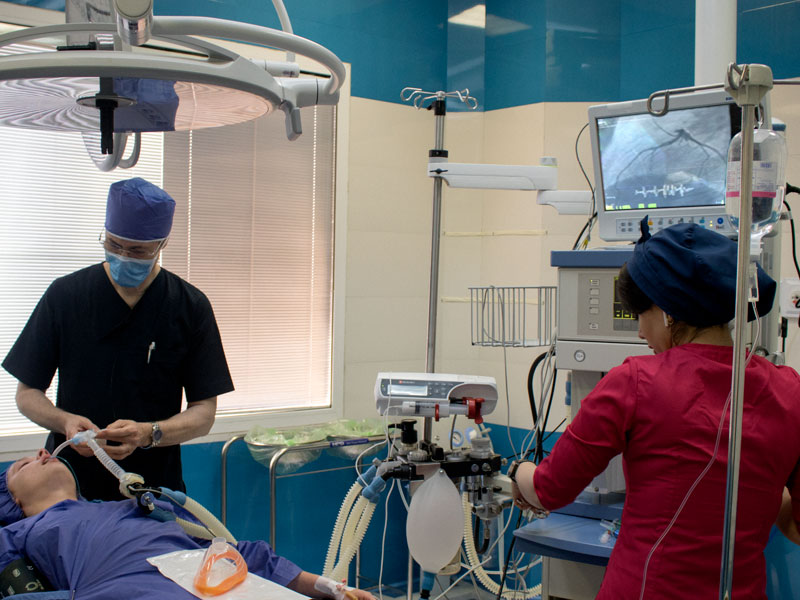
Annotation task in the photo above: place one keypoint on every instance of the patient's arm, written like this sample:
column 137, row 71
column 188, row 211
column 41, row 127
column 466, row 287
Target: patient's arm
column 785, row 521
column 263, row 561
column 305, row 582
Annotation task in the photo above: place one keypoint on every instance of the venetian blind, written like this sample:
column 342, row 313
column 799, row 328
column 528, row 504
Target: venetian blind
column 52, row 202
column 254, row 231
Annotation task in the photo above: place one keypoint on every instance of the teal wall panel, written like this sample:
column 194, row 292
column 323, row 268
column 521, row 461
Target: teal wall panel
column 656, row 46
column 529, row 50
column 767, row 34
column 466, row 57
column 390, row 45
column 551, row 51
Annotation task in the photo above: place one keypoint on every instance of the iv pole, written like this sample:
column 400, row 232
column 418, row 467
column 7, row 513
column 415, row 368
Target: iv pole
column 439, row 106
column 438, row 153
column 747, row 84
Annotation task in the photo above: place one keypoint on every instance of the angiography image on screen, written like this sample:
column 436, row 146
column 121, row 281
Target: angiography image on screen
column 657, row 162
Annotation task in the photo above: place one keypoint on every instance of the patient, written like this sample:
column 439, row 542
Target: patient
column 99, row 549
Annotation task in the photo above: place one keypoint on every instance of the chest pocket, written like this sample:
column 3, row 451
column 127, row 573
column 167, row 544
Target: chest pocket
column 150, row 369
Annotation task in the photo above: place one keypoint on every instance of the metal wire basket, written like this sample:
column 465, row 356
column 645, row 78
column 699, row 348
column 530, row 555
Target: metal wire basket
column 512, row 316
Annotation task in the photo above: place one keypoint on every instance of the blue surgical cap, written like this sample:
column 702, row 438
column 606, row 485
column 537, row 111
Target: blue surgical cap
column 690, row 273
column 138, row 210
column 10, row 512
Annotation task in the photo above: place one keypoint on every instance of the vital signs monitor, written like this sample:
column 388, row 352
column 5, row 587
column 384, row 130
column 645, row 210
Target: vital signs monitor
column 669, row 168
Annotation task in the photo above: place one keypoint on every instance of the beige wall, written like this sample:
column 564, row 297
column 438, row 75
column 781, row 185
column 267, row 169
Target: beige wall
column 389, row 228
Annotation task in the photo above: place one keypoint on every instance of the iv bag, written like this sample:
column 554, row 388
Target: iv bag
column 769, row 178
column 435, row 525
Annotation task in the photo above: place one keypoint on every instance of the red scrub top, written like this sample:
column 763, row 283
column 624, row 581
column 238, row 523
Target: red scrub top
column 662, row 413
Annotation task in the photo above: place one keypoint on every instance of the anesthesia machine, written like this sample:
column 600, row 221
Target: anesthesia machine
column 440, row 514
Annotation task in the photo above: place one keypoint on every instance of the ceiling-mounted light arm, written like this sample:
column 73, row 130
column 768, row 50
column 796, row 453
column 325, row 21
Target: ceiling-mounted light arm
column 297, row 92
column 134, row 20
column 180, row 30
column 101, row 30
column 217, row 69
column 263, row 36
column 286, row 24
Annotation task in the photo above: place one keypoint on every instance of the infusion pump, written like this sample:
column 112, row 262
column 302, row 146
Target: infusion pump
column 436, row 395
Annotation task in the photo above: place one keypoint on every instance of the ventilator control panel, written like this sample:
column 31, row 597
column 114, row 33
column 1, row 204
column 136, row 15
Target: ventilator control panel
column 627, row 227
column 590, row 307
column 595, row 332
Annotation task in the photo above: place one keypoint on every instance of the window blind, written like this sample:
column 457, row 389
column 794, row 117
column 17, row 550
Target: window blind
column 254, row 231
column 52, row 201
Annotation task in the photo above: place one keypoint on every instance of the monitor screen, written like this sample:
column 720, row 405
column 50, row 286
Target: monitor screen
column 670, row 168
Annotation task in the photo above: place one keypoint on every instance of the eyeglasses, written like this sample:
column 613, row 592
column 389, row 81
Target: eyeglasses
column 141, row 252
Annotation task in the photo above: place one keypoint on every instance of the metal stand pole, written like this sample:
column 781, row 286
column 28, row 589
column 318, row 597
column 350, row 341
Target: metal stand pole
column 739, row 351
column 753, row 83
column 224, row 472
column 439, row 109
column 438, row 153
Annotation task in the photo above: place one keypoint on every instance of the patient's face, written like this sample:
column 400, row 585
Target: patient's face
column 29, row 477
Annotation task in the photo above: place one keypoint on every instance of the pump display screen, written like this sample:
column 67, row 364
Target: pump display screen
column 672, row 161
column 402, row 389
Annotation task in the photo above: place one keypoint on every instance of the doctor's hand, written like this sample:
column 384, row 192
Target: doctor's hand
column 129, row 436
column 74, row 424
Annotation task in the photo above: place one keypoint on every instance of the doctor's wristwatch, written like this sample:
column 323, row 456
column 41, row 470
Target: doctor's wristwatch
column 155, row 436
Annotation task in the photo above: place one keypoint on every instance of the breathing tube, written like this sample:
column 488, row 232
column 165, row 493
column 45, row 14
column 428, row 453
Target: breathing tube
column 125, row 479
column 351, row 526
column 210, row 526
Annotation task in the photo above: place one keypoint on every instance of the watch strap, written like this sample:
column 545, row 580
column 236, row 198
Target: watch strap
column 155, row 436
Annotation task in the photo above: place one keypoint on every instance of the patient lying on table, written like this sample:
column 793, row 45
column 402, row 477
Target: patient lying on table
column 100, row 549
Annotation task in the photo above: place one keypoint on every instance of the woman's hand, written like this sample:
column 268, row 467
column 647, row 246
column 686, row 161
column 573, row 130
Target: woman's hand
column 524, row 491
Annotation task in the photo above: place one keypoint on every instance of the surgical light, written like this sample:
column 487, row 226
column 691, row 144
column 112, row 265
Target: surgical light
column 179, row 82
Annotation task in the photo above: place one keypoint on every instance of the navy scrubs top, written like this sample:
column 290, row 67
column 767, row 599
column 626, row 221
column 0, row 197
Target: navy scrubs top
column 115, row 362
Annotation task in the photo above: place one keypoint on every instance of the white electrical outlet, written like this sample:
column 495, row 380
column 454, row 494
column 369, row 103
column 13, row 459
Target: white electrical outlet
column 789, row 297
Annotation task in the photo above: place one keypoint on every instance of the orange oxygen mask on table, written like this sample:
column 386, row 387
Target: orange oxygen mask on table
column 222, row 569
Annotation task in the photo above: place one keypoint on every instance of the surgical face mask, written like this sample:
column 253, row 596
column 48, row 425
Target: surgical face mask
column 129, row 272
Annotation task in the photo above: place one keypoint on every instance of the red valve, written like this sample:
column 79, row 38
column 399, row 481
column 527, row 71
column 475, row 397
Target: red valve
column 474, row 409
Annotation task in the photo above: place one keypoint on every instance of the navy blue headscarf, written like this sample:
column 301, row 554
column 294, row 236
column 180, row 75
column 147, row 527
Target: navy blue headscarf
column 690, row 273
